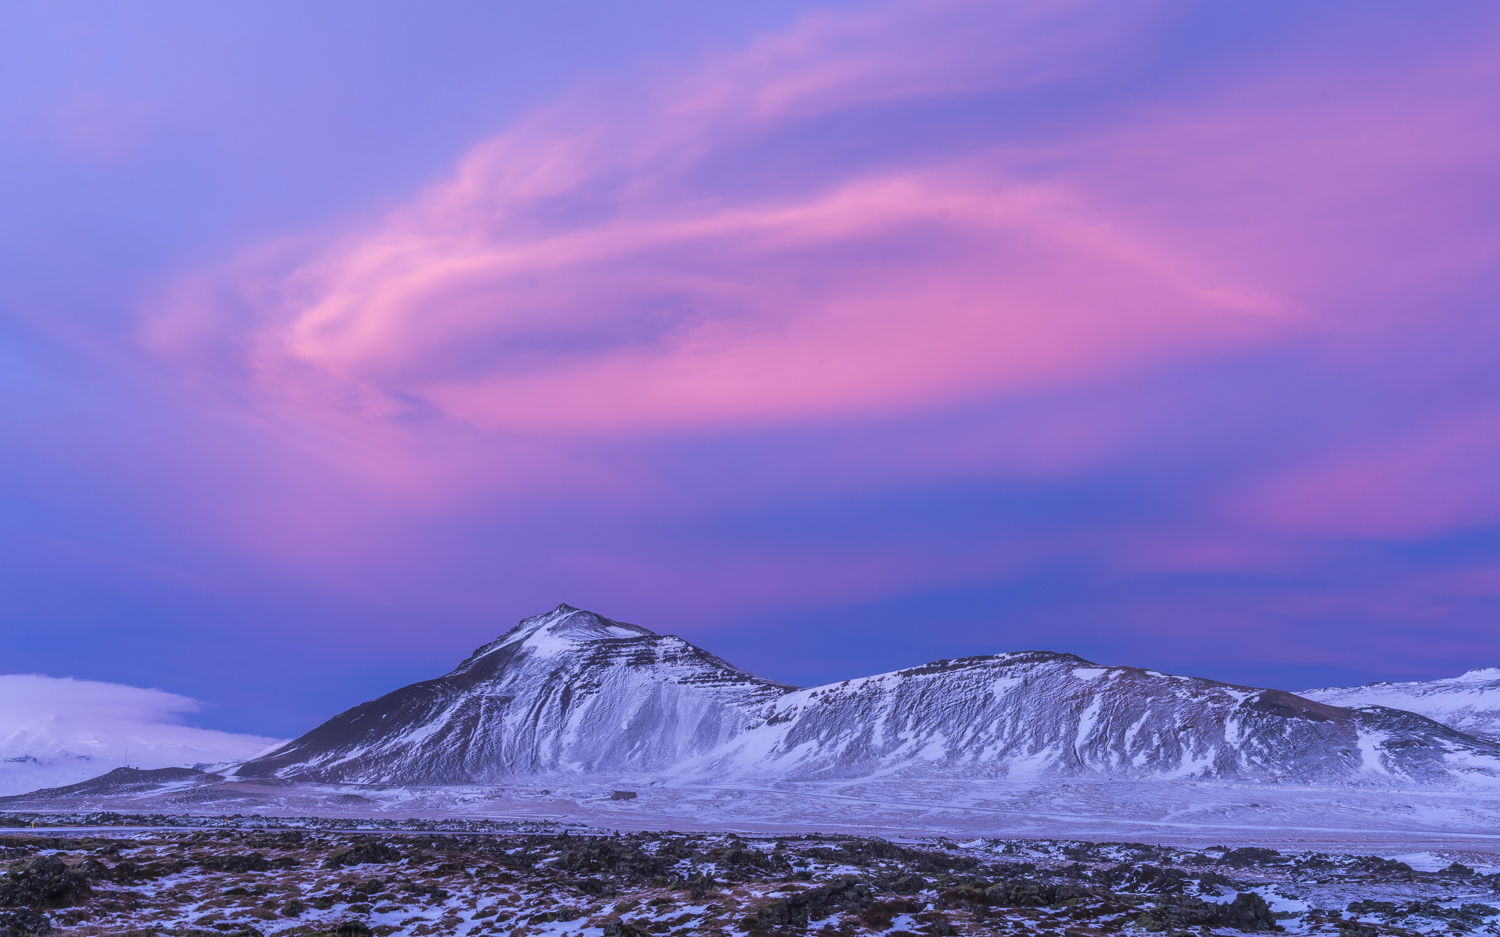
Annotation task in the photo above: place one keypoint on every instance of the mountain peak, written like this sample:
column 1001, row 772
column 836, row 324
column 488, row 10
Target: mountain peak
column 568, row 690
column 560, row 630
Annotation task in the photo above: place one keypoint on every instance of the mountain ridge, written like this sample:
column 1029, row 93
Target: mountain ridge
column 1469, row 702
column 573, row 692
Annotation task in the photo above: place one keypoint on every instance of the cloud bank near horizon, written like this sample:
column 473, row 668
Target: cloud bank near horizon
column 58, row 730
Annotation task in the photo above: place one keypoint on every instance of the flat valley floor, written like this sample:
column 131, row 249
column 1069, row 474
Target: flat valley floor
column 1183, row 812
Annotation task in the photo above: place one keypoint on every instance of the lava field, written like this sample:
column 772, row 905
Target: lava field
column 221, row 881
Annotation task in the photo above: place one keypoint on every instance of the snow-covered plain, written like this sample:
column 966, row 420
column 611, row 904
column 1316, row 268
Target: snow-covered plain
column 56, row 731
column 1198, row 812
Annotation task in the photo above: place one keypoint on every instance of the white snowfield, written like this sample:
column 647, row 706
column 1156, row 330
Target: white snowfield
column 570, row 693
column 1468, row 703
column 57, row 731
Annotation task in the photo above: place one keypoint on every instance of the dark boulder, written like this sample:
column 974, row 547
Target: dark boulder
column 814, row 904
column 1152, row 878
column 1380, row 865
column 238, row 864
column 1247, row 856
column 23, row 923
column 366, row 852
column 46, row 882
column 1247, row 912
column 1021, row 893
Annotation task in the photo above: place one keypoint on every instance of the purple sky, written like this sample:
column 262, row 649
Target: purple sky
column 835, row 338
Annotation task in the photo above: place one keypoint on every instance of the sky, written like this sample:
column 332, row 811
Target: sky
column 834, row 338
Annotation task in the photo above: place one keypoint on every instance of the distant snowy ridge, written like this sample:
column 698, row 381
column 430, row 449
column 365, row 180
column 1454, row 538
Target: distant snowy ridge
column 1469, row 703
column 56, row 731
column 1036, row 714
column 572, row 692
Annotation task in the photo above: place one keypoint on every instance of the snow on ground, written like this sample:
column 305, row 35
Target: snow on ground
column 1185, row 811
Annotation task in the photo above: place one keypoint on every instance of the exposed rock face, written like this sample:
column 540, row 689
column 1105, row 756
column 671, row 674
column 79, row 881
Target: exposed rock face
column 573, row 692
column 1031, row 714
column 1469, row 703
column 568, row 691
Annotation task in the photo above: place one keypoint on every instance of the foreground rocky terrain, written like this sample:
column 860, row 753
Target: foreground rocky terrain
column 294, row 877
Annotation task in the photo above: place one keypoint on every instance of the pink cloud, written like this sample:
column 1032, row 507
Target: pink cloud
column 1435, row 479
column 575, row 279
column 569, row 277
column 769, row 312
column 875, row 291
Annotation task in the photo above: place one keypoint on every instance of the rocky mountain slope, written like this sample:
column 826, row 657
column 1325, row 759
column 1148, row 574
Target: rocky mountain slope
column 568, row 691
column 1034, row 714
column 572, row 692
column 1469, row 703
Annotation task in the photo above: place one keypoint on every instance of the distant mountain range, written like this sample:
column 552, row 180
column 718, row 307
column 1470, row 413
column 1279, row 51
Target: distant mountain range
column 1469, row 703
column 572, row 692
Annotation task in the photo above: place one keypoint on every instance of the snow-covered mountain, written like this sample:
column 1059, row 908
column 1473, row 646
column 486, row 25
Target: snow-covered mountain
column 1468, row 703
column 573, row 692
column 568, row 691
column 1036, row 714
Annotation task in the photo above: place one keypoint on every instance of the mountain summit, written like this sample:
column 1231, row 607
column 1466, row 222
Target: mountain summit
column 567, row 691
column 572, row 692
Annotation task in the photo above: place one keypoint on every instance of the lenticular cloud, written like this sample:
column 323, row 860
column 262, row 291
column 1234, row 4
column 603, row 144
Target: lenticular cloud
column 907, row 210
column 616, row 265
column 60, row 731
column 857, row 216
